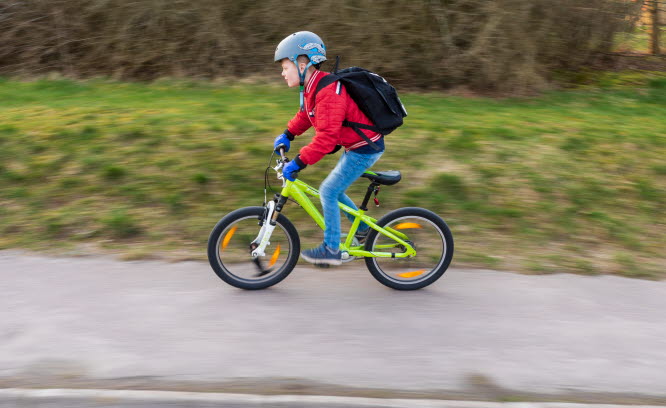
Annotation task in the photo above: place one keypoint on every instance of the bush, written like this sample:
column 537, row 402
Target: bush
column 507, row 45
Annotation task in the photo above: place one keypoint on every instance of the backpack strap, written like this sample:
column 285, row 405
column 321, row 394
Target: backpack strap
column 326, row 81
column 363, row 136
column 361, row 126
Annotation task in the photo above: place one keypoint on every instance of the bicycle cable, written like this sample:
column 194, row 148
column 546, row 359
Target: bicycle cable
column 267, row 182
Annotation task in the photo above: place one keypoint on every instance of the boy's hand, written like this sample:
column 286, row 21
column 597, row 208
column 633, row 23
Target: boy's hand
column 290, row 170
column 282, row 140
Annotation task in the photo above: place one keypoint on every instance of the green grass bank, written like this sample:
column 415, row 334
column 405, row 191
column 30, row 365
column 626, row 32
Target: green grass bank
column 571, row 181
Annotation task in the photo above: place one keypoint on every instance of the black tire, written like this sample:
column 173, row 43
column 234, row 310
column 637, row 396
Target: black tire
column 433, row 243
column 229, row 251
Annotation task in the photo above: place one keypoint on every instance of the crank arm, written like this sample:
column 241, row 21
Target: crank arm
column 260, row 268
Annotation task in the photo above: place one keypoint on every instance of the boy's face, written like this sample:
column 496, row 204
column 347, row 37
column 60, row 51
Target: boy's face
column 290, row 72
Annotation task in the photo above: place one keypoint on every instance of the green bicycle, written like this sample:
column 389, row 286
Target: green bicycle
column 257, row 247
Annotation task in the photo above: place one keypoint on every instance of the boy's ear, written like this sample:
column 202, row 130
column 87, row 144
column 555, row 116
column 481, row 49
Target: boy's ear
column 301, row 66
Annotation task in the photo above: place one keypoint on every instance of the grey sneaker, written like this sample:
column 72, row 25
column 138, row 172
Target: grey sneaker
column 322, row 255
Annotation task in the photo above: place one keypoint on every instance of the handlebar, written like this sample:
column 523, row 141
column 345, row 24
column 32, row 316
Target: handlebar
column 282, row 156
column 281, row 162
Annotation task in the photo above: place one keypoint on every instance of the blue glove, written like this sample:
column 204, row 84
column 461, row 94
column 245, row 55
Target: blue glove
column 282, row 140
column 290, row 170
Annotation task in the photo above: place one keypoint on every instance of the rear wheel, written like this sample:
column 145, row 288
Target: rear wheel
column 230, row 247
column 427, row 233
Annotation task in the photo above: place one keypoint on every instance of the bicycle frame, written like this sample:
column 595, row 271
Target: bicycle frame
column 299, row 191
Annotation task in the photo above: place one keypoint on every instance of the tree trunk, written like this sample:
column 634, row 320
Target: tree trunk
column 654, row 11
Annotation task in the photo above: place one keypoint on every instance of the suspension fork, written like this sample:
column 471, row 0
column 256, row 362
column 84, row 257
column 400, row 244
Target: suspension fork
column 268, row 223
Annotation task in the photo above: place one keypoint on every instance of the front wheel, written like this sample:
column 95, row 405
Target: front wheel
column 427, row 233
column 230, row 246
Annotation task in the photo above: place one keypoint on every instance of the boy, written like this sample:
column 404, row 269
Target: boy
column 300, row 55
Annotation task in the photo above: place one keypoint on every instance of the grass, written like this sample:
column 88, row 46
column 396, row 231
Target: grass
column 571, row 181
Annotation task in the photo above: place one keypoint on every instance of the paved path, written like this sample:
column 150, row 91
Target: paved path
column 96, row 319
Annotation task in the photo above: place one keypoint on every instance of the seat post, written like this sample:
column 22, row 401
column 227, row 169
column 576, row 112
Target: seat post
column 371, row 189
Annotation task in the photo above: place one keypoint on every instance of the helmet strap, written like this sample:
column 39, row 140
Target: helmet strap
column 301, row 76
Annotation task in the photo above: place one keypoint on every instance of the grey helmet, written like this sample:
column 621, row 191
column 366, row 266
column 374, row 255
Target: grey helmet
column 301, row 43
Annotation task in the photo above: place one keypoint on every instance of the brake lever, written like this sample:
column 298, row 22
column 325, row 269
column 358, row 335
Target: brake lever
column 280, row 164
column 282, row 156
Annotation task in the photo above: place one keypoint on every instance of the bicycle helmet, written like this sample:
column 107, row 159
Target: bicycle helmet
column 301, row 43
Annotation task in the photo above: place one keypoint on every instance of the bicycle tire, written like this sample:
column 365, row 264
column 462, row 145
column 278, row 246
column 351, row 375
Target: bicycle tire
column 224, row 269
column 433, row 222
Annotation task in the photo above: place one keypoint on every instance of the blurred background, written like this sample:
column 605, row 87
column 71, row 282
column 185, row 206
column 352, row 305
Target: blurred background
column 537, row 130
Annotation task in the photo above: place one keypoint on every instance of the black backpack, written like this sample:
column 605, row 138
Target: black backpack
column 374, row 96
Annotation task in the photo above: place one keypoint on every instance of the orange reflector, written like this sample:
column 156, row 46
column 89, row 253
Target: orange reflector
column 407, row 225
column 411, row 274
column 274, row 258
column 227, row 237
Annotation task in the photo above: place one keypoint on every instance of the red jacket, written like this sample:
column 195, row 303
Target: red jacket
column 326, row 111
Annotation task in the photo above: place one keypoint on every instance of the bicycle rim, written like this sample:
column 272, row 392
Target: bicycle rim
column 233, row 251
column 428, row 240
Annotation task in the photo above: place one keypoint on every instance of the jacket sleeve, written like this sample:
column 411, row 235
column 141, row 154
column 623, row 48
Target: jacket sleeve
column 329, row 115
column 299, row 123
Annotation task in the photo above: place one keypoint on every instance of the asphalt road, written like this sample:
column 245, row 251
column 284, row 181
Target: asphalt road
column 97, row 322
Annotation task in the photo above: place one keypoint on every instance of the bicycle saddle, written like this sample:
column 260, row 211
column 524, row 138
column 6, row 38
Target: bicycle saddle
column 386, row 178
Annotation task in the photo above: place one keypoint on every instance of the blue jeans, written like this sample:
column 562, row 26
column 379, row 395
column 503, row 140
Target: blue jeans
column 349, row 168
